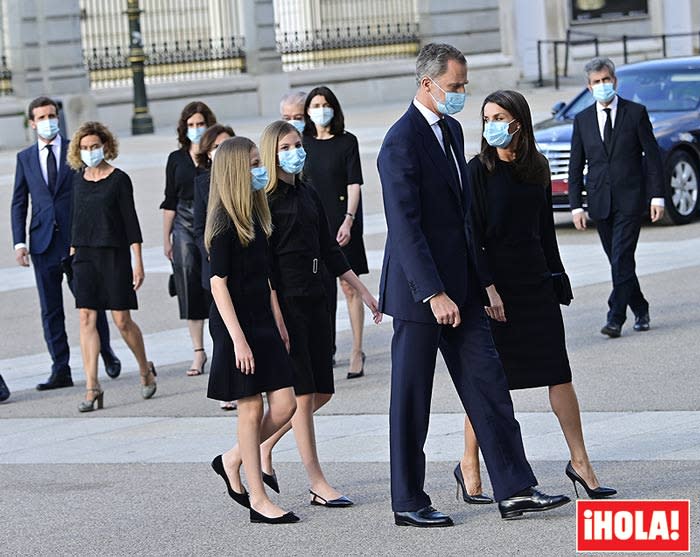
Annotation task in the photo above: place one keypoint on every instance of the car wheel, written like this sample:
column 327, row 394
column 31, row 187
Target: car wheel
column 681, row 197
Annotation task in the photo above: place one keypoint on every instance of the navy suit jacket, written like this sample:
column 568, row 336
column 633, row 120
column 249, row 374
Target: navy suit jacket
column 428, row 246
column 51, row 213
column 626, row 177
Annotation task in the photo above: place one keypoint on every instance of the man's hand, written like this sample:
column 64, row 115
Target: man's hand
column 22, row 257
column 657, row 213
column 579, row 220
column 445, row 310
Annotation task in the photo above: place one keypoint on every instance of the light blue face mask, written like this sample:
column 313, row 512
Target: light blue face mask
column 195, row 134
column 321, row 115
column 603, row 92
column 299, row 125
column 292, row 161
column 259, row 179
column 454, row 102
column 92, row 158
column 496, row 133
column 47, row 128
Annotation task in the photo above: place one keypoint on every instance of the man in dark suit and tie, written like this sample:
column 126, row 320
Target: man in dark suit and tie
column 430, row 287
column 43, row 175
column 615, row 137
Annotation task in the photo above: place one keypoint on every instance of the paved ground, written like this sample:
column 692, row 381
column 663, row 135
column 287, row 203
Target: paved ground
column 134, row 478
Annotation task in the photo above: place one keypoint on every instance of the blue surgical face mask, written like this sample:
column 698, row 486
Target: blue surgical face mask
column 260, row 178
column 603, row 92
column 292, row 161
column 299, row 124
column 321, row 115
column 92, row 158
column 454, row 102
column 47, row 128
column 195, row 134
column 496, row 133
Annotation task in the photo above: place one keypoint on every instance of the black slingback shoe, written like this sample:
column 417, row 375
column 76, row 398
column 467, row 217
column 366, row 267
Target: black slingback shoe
column 287, row 518
column 341, row 501
column 241, row 498
column 480, row 499
column 599, row 492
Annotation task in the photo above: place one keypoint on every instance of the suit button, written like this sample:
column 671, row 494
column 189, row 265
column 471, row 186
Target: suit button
column 342, row 198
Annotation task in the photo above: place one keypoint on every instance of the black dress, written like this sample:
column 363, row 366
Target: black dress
column 104, row 225
column 180, row 173
column 517, row 251
column 332, row 164
column 300, row 243
column 247, row 271
column 201, row 199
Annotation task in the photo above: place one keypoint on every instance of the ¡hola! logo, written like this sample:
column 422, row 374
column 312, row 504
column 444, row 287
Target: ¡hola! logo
column 633, row 525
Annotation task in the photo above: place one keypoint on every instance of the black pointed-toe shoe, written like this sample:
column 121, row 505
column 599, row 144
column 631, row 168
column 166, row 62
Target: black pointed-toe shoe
column 641, row 322
column 241, row 498
column 341, row 501
column 56, row 381
column 613, row 330
column 271, row 481
column 4, row 390
column 287, row 518
column 599, row 492
column 480, row 499
column 427, row 517
column 530, row 501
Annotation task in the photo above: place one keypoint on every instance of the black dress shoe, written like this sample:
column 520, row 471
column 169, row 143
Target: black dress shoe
column 56, row 381
column 4, row 390
column 599, row 492
column 641, row 322
column 530, row 501
column 427, row 517
column 613, row 330
column 113, row 365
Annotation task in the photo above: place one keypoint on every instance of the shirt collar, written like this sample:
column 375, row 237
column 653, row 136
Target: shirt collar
column 428, row 114
column 55, row 141
column 612, row 105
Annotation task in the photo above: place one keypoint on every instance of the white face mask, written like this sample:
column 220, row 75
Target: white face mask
column 321, row 115
column 47, row 128
column 92, row 158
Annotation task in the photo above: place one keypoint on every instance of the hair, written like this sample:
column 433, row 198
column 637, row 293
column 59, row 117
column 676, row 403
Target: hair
column 231, row 197
column 597, row 64
column 337, row 123
column 269, row 140
column 195, row 107
column 206, row 144
column 529, row 164
column 39, row 102
column 433, row 58
column 292, row 97
column 109, row 143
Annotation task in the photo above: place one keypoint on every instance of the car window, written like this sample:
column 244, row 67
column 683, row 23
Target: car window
column 584, row 100
column 662, row 91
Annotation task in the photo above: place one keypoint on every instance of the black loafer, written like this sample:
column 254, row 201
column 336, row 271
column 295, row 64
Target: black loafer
column 613, row 330
column 427, row 517
column 531, row 502
column 641, row 322
column 55, row 382
column 113, row 366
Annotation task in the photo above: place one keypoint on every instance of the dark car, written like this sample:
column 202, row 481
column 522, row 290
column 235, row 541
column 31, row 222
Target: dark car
column 670, row 90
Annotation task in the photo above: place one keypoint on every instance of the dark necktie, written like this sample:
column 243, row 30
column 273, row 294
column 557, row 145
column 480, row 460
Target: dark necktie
column 607, row 130
column 448, row 145
column 51, row 169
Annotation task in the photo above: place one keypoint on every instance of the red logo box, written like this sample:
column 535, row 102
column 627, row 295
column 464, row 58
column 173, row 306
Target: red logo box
column 633, row 525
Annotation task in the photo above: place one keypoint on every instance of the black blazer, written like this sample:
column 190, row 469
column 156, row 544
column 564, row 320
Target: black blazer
column 628, row 176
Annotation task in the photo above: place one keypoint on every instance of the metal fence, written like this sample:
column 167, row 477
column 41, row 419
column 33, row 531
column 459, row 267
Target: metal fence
column 314, row 33
column 182, row 39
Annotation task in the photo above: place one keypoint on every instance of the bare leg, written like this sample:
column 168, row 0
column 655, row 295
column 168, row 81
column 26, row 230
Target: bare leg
column 356, row 311
column 470, row 460
column 134, row 339
column 90, row 348
column 196, row 327
column 320, row 399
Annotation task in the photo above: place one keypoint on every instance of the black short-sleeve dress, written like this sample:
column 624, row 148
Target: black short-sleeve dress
column 247, row 271
column 518, row 252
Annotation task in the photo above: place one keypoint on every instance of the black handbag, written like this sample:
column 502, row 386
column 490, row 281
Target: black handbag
column 171, row 286
column 562, row 288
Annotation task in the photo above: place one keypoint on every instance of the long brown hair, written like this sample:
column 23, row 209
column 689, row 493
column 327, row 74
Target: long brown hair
column 231, row 197
column 192, row 108
column 206, row 144
column 269, row 140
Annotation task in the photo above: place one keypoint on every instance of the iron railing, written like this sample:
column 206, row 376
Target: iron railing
column 5, row 78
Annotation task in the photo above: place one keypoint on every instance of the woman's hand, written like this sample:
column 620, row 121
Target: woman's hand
column 282, row 328
column 495, row 310
column 244, row 356
column 371, row 302
column 343, row 236
column 138, row 275
column 168, row 248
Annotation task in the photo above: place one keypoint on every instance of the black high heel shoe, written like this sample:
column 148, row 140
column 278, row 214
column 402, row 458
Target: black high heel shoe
column 241, row 498
column 597, row 493
column 271, row 481
column 471, row 499
column 287, row 518
column 361, row 373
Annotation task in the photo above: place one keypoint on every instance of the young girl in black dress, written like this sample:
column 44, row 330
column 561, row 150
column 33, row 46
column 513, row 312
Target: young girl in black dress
column 301, row 243
column 250, row 339
column 104, row 227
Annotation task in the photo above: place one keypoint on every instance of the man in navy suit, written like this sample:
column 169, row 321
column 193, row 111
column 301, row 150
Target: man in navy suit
column 43, row 174
column 615, row 137
column 429, row 285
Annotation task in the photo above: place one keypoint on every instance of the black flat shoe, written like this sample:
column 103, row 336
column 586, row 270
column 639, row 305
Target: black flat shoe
column 599, row 492
column 530, row 501
column 287, row 518
column 480, row 499
column 341, row 501
column 427, row 517
column 241, row 498
column 361, row 373
column 55, row 382
column 271, row 481
column 113, row 365
column 641, row 322
column 613, row 330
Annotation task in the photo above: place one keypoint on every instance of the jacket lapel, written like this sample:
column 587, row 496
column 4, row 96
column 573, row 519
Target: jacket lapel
column 35, row 167
column 63, row 168
column 592, row 121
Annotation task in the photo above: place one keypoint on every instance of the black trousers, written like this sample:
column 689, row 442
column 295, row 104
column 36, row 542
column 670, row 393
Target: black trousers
column 619, row 234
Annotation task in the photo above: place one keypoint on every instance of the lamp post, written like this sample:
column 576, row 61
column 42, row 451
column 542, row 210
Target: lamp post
column 141, row 122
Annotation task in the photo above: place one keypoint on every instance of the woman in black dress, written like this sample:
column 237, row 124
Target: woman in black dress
column 211, row 139
column 301, row 241
column 179, row 243
column 250, row 356
column 104, row 227
column 518, row 260
column 333, row 169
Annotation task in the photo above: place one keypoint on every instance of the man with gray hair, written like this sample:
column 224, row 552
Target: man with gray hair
column 615, row 138
column 292, row 109
column 430, row 287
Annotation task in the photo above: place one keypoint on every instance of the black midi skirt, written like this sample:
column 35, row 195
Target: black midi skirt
column 103, row 278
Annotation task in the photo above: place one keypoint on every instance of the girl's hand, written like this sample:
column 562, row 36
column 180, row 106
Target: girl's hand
column 244, row 357
column 343, row 236
column 371, row 302
column 495, row 310
column 138, row 276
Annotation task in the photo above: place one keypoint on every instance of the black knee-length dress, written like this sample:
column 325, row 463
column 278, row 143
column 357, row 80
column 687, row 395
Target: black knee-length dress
column 247, row 271
column 517, row 249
